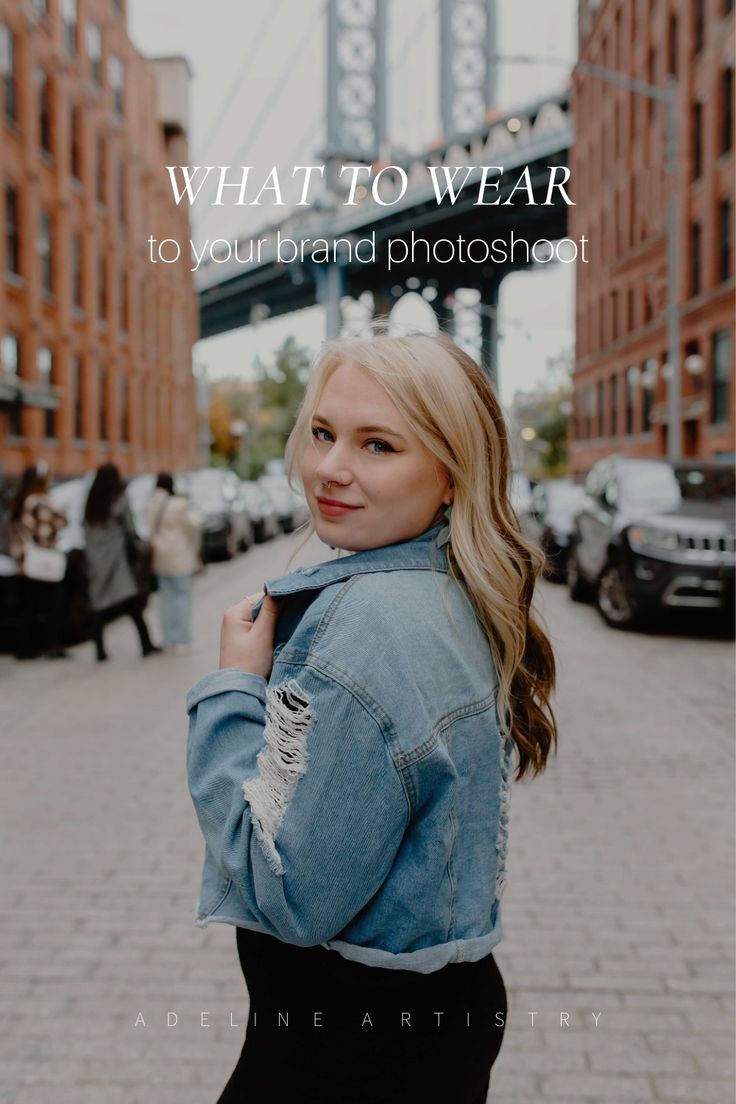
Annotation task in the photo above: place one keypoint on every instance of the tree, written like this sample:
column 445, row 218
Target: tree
column 279, row 391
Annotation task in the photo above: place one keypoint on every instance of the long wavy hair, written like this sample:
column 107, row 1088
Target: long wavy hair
column 107, row 487
column 449, row 402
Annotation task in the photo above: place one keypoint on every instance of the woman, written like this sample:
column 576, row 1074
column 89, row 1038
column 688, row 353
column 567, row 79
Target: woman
column 35, row 521
column 109, row 532
column 175, row 531
column 350, row 762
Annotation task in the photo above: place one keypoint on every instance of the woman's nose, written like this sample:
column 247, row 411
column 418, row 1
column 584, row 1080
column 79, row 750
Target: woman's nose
column 333, row 467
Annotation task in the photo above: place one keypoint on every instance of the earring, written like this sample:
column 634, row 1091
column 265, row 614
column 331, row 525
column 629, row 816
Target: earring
column 443, row 537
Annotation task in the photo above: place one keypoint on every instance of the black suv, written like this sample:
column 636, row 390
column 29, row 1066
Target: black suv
column 652, row 535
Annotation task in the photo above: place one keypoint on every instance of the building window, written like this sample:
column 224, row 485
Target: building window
column 727, row 7
column 720, row 361
column 7, row 69
column 76, row 143
column 116, row 79
column 614, row 405
column 648, row 307
column 122, row 198
column 45, row 369
column 696, row 234
column 101, row 288
column 672, row 46
column 75, row 372
column 101, row 169
column 45, row 252
column 725, row 240
column 699, row 25
column 123, row 408
column 9, row 354
column 12, row 231
column 630, row 317
column 10, row 364
column 631, row 377
column 601, row 409
column 726, row 110
column 102, row 401
column 123, row 303
column 44, row 110
column 69, row 16
column 696, row 142
column 77, row 271
column 651, row 105
column 649, row 382
column 94, row 51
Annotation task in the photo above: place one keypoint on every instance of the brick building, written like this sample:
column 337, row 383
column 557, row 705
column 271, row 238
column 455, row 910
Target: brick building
column 620, row 377
column 95, row 341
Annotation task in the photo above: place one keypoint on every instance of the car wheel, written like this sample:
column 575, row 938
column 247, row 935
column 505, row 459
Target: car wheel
column 231, row 544
column 575, row 581
column 615, row 605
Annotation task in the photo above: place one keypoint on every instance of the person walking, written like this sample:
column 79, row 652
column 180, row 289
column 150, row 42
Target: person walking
column 109, row 534
column 34, row 525
column 175, row 532
column 350, row 762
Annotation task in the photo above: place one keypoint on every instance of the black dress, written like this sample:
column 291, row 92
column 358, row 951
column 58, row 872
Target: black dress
column 325, row 1030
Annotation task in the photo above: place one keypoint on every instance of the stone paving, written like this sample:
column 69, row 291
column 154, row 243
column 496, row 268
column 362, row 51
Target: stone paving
column 619, row 903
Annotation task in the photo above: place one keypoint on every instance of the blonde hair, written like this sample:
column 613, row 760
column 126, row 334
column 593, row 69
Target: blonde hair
column 449, row 402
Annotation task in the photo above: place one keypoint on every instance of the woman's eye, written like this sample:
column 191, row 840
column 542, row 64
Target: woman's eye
column 316, row 430
column 382, row 446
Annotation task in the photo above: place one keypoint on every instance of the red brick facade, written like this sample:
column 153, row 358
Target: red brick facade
column 95, row 341
column 618, row 163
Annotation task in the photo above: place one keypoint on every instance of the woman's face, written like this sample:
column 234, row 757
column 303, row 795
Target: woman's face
column 368, row 478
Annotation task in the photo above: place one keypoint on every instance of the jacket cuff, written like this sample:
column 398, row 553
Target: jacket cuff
column 225, row 680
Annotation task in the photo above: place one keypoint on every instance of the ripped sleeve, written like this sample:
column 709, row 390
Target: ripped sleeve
column 297, row 796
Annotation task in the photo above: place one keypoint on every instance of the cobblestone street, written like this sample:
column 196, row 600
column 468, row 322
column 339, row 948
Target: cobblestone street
column 619, row 903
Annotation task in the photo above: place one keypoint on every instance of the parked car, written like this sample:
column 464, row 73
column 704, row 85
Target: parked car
column 520, row 493
column 217, row 494
column 285, row 502
column 549, row 521
column 653, row 536
column 261, row 509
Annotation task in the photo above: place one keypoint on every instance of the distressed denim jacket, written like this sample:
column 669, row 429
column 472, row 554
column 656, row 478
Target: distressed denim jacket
column 359, row 798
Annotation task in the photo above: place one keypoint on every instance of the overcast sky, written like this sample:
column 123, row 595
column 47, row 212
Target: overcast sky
column 258, row 96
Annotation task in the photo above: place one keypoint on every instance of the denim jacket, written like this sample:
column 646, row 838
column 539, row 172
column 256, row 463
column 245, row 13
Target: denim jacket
column 359, row 798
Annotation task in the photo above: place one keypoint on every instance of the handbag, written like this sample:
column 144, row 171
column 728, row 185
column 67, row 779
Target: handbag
column 46, row 565
column 138, row 555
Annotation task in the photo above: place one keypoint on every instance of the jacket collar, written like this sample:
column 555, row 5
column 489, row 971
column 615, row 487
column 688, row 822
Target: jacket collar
column 420, row 553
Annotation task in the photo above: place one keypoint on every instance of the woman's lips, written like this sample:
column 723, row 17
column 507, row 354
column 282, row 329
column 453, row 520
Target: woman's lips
column 331, row 507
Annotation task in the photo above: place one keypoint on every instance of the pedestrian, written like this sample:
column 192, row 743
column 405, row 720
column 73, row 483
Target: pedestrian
column 34, row 525
column 110, row 539
column 175, row 533
column 350, row 762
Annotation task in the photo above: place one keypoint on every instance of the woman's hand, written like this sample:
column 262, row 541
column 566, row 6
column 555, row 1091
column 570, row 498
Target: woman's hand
column 245, row 643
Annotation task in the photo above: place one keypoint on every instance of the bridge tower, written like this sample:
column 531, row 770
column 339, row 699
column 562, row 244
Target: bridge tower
column 357, row 132
column 356, row 111
column 467, row 67
column 468, row 44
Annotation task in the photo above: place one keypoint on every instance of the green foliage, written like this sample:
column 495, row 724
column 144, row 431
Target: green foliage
column 269, row 410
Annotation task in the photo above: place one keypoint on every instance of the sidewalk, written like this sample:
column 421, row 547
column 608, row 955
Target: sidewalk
column 618, row 904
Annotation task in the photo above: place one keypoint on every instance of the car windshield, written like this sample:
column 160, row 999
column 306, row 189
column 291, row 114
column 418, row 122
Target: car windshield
column 564, row 495
column 666, row 487
column 206, row 488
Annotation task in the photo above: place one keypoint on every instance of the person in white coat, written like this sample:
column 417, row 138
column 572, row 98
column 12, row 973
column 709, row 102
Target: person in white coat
column 175, row 534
